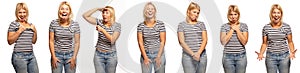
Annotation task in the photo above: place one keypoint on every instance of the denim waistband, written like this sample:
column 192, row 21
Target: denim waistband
column 151, row 52
column 64, row 52
column 243, row 53
column 107, row 52
column 277, row 54
column 24, row 53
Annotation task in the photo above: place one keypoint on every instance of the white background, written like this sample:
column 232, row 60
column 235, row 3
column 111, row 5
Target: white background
column 255, row 13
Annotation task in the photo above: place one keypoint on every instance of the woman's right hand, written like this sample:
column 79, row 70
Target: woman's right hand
column 21, row 29
column 260, row 56
column 147, row 62
column 54, row 62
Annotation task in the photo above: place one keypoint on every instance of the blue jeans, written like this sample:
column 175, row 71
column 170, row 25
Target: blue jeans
column 192, row 66
column 234, row 63
column 24, row 62
column 105, row 62
column 278, row 61
column 64, row 57
column 152, row 55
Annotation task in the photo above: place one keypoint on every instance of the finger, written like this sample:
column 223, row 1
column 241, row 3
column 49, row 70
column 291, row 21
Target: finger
column 256, row 52
column 295, row 51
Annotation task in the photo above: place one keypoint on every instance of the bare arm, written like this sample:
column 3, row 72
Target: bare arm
column 34, row 38
column 226, row 37
column 51, row 44
column 77, row 45
column 182, row 43
column 112, row 38
column 13, row 36
column 162, row 43
column 242, row 36
column 87, row 16
column 204, row 42
column 141, row 45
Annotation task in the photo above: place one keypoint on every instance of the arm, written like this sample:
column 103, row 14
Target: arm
column 51, row 44
column 226, row 37
column 77, row 45
column 263, row 48
column 204, row 42
column 13, row 36
column 291, row 46
column 162, row 43
column 112, row 38
column 141, row 45
column 34, row 38
column 182, row 43
column 88, row 18
column 242, row 36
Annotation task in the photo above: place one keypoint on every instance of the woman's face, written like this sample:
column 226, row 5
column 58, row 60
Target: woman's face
column 64, row 12
column 233, row 17
column 106, row 15
column 150, row 12
column 22, row 15
column 193, row 14
column 276, row 16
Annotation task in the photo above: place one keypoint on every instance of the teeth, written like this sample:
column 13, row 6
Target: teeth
column 64, row 14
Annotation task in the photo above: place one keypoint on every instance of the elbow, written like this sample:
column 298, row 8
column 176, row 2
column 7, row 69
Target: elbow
column 9, row 41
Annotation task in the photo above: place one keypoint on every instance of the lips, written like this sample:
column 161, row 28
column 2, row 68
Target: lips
column 64, row 14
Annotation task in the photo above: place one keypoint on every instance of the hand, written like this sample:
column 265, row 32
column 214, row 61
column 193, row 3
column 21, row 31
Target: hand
column 33, row 28
column 72, row 62
column 158, row 61
column 99, row 28
column 235, row 27
column 54, row 62
column 21, row 29
column 260, row 56
column 147, row 62
column 196, row 56
column 292, row 54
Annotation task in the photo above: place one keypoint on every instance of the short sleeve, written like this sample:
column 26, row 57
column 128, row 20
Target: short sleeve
column 140, row 27
column 162, row 27
column 13, row 27
column 52, row 27
column 264, row 31
column 76, row 28
column 117, row 27
column 202, row 25
column 180, row 28
column 223, row 28
column 288, row 30
column 244, row 28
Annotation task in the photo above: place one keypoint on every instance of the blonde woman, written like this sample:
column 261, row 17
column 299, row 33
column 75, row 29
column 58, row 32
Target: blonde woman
column 151, row 36
column 277, row 38
column 23, row 34
column 234, row 37
column 64, row 40
column 105, row 59
column 192, row 37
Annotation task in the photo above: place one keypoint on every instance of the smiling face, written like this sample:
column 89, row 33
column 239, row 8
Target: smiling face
column 193, row 14
column 233, row 17
column 64, row 12
column 22, row 15
column 276, row 16
column 149, row 11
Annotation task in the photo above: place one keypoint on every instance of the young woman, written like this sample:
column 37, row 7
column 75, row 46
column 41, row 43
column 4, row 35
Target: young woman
column 277, row 38
column 151, row 36
column 23, row 34
column 64, row 40
column 234, row 37
column 192, row 37
column 105, row 59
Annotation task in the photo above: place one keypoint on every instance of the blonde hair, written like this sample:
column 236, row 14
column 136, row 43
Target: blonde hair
column 276, row 6
column 233, row 8
column 192, row 6
column 19, row 7
column 145, row 8
column 70, row 9
column 112, row 13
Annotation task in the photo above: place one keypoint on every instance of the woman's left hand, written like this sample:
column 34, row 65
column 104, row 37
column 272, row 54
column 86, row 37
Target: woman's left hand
column 72, row 62
column 158, row 61
column 292, row 54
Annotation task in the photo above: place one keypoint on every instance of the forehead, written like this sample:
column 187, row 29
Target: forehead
column 149, row 6
column 64, row 6
column 276, row 10
column 22, row 9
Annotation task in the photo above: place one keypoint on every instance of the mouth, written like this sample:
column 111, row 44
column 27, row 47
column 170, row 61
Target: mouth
column 64, row 14
column 276, row 18
column 22, row 17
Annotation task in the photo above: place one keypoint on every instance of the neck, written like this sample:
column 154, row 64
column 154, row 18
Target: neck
column 64, row 22
column 149, row 21
column 234, row 23
column 276, row 24
column 189, row 21
column 107, row 23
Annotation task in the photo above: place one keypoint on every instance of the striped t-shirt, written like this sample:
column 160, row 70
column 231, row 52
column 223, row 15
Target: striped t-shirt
column 151, row 35
column 103, row 42
column 234, row 45
column 64, row 37
column 277, row 38
column 192, row 34
column 24, row 41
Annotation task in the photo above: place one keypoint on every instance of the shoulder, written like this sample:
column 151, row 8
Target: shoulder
column 285, row 25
